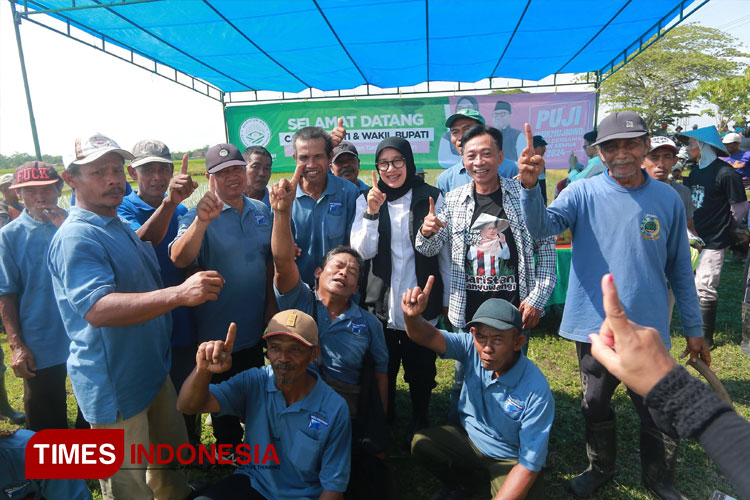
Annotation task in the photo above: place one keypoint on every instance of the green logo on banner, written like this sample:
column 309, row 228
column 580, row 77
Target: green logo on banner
column 254, row 132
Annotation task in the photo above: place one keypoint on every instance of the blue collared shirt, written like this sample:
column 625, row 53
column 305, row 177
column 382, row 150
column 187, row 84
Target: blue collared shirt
column 362, row 187
column 113, row 369
column 508, row 417
column 319, row 226
column 343, row 342
column 266, row 199
column 457, row 176
column 136, row 211
column 312, row 437
column 23, row 271
column 238, row 246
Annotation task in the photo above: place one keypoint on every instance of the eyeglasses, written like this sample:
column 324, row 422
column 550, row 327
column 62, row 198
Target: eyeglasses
column 396, row 162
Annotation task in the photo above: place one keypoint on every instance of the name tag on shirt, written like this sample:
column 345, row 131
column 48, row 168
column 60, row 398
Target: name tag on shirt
column 317, row 421
column 335, row 208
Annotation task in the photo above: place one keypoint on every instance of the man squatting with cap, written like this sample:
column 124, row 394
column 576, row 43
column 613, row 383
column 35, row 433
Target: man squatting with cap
column 36, row 334
column 457, row 175
column 506, row 406
column 627, row 224
column 720, row 202
column 153, row 214
column 231, row 234
column 285, row 405
column 110, row 296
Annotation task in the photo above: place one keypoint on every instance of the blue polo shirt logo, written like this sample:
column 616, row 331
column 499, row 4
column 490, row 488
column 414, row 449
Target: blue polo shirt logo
column 317, row 421
column 260, row 219
column 335, row 208
column 513, row 405
column 358, row 327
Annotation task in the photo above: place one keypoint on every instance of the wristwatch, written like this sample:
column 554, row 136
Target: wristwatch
column 371, row 216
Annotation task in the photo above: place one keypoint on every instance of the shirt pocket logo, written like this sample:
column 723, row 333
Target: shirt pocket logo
column 260, row 219
column 335, row 208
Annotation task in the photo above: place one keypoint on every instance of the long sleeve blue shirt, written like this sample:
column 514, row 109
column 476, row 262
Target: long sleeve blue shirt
column 637, row 234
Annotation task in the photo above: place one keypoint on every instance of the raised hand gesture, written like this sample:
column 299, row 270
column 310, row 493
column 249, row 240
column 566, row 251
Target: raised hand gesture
column 530, row 164
column 282, row 194
column 431, row 224
column 54, row 214
column 200, row 287
column 215, row 356
column 209, row 207
column 414, row 301
column 182, row 185
column 338, row 133
column 375, row 198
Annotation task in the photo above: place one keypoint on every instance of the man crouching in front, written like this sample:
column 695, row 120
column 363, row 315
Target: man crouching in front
column 284, row 405
column 505, row 408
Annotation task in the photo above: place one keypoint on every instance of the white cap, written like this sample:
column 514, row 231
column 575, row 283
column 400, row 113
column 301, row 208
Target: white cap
column 94, row 147
column 661, row 141
column 731, row 137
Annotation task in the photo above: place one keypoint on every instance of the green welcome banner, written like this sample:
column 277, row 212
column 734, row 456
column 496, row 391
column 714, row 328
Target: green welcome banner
column 561, row 118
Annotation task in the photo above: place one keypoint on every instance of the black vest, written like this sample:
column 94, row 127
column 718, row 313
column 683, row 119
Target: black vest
column 510, row 135
column 379, row 273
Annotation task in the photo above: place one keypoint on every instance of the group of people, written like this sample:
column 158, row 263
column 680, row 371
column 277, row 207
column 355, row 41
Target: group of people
column 157, row 312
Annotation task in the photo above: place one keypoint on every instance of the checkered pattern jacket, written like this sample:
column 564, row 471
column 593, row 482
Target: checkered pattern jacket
column 536, row 258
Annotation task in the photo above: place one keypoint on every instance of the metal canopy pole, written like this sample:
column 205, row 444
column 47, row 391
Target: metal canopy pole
column 16, row 24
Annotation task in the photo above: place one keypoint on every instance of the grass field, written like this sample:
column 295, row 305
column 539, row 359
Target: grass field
column 696, row 475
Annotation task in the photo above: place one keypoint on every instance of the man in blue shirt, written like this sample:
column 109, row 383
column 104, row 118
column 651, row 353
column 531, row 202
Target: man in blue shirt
column 345, row 164
column 230, row 233
column 299, row 424
column 324, row 207
column 154, row 217
column 36, row 334
column 625, row 223
column 457, row 175
column 110, row 296
column 506, row 407
column 258, row 169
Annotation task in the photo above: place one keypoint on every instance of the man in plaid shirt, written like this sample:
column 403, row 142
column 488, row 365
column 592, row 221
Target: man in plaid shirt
column 528, row 276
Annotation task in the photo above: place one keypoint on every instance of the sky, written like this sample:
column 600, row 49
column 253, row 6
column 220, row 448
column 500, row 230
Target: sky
column 77, row 91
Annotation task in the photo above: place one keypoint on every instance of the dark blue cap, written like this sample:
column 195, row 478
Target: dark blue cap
column 498, row 313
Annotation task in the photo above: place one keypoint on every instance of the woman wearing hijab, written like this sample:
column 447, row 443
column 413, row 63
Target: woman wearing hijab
column 385, row 226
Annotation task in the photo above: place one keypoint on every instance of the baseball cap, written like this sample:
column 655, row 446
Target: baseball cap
column 296, row 324
column 731, row 137
column 497, row 313
column 6, row 180
column 35, row 173
column 88, row 149
column 539, row 141
column 150, row 150
column 223, row 156
column 661, row 141
column 345, row 147
column 464, row 113
column 620, row 125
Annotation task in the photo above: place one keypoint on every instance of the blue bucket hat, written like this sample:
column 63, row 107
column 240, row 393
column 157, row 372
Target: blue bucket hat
column 710, row 136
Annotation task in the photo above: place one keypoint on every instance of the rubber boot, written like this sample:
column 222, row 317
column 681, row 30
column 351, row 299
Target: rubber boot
column 601, row 448
column 6, row 412
column 745, row 345
column 658, row 460
column 708, row 311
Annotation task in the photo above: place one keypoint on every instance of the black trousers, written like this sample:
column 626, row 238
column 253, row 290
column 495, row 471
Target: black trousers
column 419, row 373
column 234, row 487
column 227, row 429
column 44, row 400
column 183, row 362
column 598, row 386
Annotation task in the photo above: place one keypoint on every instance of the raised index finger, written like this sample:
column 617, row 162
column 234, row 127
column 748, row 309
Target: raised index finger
column 341, row 123
column 374, row 179
column 183, row 169
column 212, row 183
column 432, row 206
column 616, row 318
column 428, row 285
column 231, row 335
column 529, row 136
column 297, row 175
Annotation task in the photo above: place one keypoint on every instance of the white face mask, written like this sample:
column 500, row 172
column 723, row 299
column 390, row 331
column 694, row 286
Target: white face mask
column 708, row 155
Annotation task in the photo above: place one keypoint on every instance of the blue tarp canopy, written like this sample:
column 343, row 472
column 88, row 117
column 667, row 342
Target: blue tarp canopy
column 293, row 45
